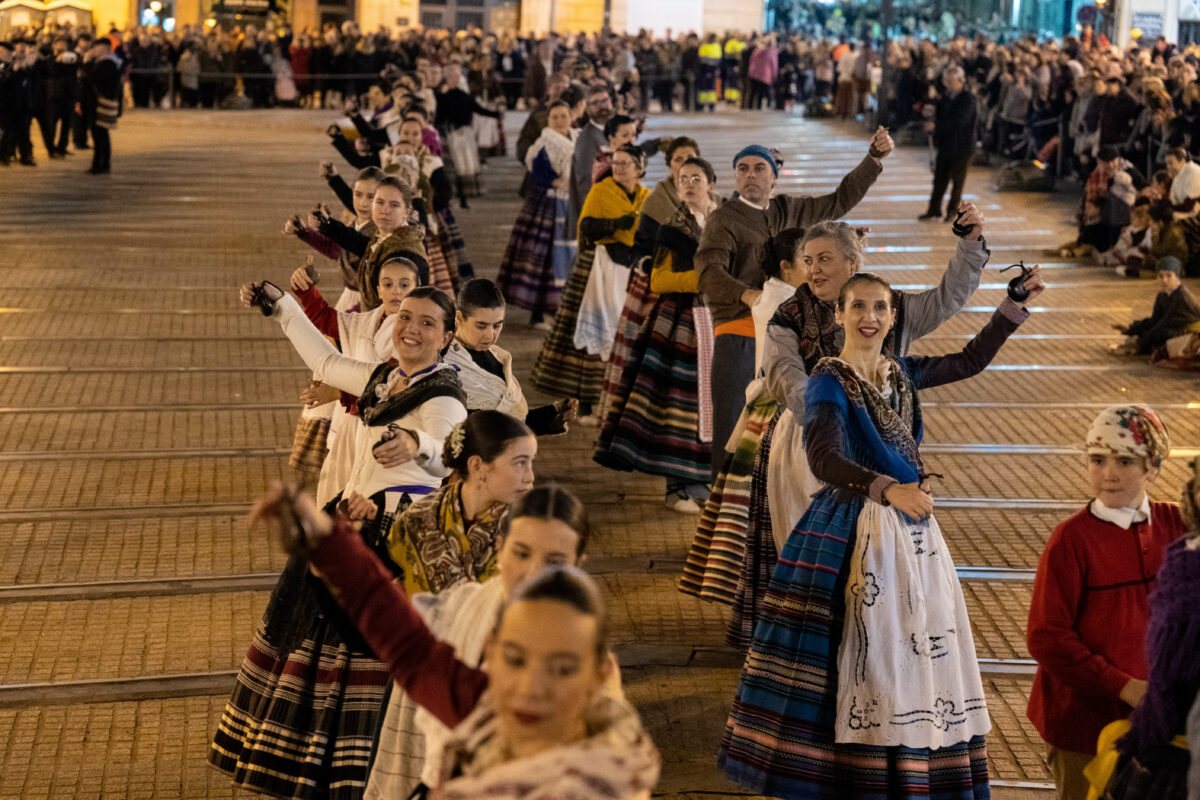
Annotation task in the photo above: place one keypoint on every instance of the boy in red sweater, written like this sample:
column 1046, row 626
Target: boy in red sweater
column 1087, row 621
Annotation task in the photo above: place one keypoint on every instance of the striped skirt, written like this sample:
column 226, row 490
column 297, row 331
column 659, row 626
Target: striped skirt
column 300, row 724
column 654, row 425
column 527, row 272
column 639, row 301
column 779, row 738
column 714, row 561
column 562, row 370
column 454, row 247
column 443, row 273
column 758, row 561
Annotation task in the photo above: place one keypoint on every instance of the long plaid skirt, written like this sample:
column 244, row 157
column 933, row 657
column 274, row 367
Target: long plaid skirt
column 527, row 272
column 639, row 301
column 714, row 561
column 779, row 737
column 561, row 369
column 758, row 560
column 654, row 425
column 300, row 724
column 454, row 247
column 441, row 273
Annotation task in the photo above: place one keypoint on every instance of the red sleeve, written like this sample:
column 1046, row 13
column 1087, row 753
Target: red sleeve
column 425, row 667
column 319, row 242
column 323, row 316
column 1053, row 641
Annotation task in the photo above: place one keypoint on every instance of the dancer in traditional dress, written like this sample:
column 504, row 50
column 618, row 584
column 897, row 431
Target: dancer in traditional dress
column 547, row 527
column 620, row 130
column 541, row 249
column 443, row 241
column 654, row 425
column 486, row 369
column 660, row 206
column 289, row 729
column 363, row 336
column 542, row 717
column 713, row 570
column 310, row 443
column 456, row 110
column 862, row 680
column 606, row 230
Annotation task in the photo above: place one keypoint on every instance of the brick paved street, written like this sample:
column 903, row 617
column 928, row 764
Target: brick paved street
column 141, row 410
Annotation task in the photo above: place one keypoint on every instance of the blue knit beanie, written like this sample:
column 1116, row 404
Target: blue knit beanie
column 761, row 152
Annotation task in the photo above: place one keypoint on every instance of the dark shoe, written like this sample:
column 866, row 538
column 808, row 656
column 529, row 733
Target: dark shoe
column 83, row 147
column 99, row 171
column 266, row 294
column 28, row 162
column 928, row 215
column 56, row 154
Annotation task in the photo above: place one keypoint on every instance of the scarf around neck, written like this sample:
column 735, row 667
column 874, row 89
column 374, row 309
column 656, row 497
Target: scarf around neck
column 436, row 548
column 377, row 406
column 616, row 761
column 607, row 200
column 559, row 149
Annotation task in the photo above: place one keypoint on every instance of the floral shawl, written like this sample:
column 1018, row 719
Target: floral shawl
column 882, row 429
column 436, row 548
column 617, row 760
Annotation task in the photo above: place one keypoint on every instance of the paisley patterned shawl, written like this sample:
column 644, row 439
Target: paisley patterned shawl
column 436, row 547
column 813, row 322
column 895, row 421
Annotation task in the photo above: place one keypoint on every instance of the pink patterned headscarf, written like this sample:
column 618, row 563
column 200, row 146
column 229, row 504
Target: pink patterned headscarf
column 1133, row 430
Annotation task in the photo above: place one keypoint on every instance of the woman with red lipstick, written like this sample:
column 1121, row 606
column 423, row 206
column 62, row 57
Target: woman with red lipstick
column 864, row 602
column 547, row 527
column 538, row 717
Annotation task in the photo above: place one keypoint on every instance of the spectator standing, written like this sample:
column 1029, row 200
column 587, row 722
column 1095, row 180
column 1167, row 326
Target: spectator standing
column 764, row 71
column 101, row 102
column 953, row 131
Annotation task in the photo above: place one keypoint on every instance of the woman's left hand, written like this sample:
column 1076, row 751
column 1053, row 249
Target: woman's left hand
column 282, row 511
column 568, row 410
column 359, row 507
column 972, row 218
column 1034, row 284
column 399, row 449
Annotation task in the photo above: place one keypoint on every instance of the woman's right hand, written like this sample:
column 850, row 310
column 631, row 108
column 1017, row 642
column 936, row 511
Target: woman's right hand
column 292, row 225
column 625, row 221
column 300, row 280
column 318, row 394
column 327, row 170
column 294, row 517
column 359, row 507
column 246, row 294
column 909, row 498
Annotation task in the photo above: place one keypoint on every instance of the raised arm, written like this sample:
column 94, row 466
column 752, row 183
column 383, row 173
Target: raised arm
column 925, row 311
column 327, row 364
column 929, row 371
column 345, row 194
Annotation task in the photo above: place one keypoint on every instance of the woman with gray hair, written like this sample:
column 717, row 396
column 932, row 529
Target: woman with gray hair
column 803, row 331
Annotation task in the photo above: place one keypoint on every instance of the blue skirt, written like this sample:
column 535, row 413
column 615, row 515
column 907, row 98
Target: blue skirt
column 779, row 737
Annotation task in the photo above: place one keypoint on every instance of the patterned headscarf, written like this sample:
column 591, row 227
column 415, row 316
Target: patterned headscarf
column 1133, row 430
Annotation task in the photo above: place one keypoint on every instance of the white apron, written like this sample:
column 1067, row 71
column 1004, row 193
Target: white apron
column 907, row 673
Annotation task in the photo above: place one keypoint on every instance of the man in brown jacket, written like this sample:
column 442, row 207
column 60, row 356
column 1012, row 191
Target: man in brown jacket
column 736, row 239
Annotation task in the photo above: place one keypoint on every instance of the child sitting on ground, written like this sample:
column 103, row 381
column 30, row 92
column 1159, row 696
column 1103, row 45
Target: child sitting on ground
column 1175, row 312
column 1090, row 607
column 1131, row 250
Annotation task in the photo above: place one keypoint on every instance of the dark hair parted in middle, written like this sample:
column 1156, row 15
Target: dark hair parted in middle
column 485, row 434
column 678, row 142
column 707, row 168
column 479, row 293
column 573, row 588
column 442, row 300
column 862, row 278
column 554, row 502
